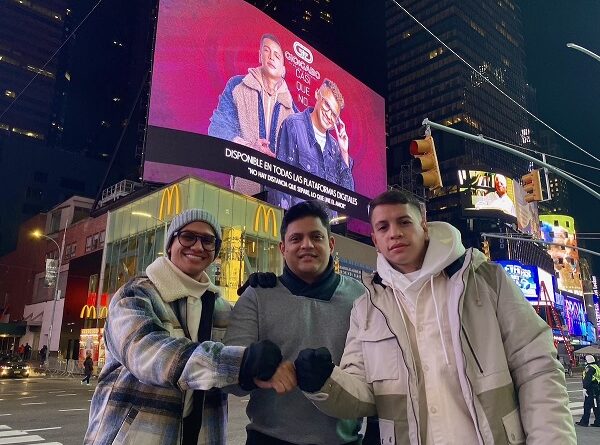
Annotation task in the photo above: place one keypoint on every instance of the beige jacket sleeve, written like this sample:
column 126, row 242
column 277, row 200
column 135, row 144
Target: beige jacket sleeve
column 538, row 376
column 346, row 394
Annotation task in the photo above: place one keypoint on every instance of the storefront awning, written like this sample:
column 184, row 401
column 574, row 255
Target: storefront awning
column 12, row 329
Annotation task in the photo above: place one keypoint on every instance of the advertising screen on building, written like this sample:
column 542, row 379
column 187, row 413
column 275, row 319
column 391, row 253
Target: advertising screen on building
column 240, row 101
column 525, row 276
column 495, row 195
column 575, row 318
column 560, row 229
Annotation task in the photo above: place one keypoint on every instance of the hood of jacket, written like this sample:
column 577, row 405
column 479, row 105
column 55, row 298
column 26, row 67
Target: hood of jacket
column 254, row 80
column 445, row 247
column 173, row 284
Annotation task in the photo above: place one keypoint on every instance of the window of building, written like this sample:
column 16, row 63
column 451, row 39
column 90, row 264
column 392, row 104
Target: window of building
column 95, row 241
column 436, row 52
column 28, row 133
column 88, row 244
column 55, row 221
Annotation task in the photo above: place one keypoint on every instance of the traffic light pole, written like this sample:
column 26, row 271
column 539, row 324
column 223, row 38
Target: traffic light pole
column 481, row 138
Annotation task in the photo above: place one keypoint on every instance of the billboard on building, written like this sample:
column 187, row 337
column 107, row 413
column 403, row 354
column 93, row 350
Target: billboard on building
column 240, row 101
column 525, row 277
column 496, row 195
column 560, row 229
column 575, row 317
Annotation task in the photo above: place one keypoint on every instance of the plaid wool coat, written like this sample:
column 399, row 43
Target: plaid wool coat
column 151, row 362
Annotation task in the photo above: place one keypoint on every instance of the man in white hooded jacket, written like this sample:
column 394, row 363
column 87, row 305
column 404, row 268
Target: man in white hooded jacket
column 442, row 347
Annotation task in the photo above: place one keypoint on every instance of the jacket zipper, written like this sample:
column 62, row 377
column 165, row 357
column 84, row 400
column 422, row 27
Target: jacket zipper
column 478, row 427
column 418, row 428
column 471, row 348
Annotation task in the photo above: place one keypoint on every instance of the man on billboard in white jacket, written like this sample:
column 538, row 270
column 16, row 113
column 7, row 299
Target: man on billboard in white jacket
column 442, row 347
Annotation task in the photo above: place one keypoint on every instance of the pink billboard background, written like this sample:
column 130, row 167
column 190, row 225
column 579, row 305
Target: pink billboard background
column 200, row 45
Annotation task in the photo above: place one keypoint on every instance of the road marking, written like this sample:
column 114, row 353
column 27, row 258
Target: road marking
column 65, row 395
column 9, row 433
column 21, row 439
column 10, row 436
column 44, row 429
column 33, row 403
column 28, row 397
column 73, row 409
column 55, row 392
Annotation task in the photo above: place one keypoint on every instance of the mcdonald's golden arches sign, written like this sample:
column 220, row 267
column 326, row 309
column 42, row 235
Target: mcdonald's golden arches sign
column 171, row 196
column 268, row 218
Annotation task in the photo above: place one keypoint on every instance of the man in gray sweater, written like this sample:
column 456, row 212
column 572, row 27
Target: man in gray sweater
column 309, row 307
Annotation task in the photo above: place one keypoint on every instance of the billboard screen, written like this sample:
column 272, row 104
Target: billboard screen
column 560, row 229
column 495, row 195
column 240, row 101
column 575, row 318
column 525, row 276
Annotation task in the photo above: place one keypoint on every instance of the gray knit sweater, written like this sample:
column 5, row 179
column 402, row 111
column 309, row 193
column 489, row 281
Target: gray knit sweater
column 294, row 323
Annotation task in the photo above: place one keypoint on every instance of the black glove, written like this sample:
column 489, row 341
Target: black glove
column 260, row 361
column 313, row 368
column 259, row 279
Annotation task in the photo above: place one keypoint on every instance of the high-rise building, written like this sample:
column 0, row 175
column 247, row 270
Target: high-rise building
column 57, row 137
column 308, row 19
column 30, row 32
column 425, row 80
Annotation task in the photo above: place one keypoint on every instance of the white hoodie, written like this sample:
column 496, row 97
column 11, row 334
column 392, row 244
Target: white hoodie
column 422, row 298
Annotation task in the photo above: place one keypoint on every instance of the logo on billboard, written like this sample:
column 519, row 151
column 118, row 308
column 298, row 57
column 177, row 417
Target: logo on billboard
column 303, row 52
column 267, row 215
column 171, row 196
column 88, row 311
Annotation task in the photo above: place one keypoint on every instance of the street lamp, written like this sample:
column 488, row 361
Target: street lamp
column 38, row 234
column 584, row 50
column 165, row 223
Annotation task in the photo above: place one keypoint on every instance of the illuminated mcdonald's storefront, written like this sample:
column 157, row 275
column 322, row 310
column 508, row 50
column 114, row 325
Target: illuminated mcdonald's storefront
column 135, row 234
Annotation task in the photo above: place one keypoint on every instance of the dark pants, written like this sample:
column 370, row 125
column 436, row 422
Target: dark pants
column 256, row 438
column 588, row 405
column 86, row 379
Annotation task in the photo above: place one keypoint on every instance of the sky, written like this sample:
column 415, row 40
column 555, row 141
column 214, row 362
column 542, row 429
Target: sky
column 567, row 83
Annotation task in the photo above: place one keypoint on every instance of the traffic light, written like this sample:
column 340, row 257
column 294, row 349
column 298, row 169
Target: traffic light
column 532, row 185
column 426, row 162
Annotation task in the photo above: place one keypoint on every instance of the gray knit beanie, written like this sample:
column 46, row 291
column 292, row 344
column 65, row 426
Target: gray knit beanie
column 189, row 216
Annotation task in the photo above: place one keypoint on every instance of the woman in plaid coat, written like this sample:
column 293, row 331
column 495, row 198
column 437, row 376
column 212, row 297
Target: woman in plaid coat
column 163, row 359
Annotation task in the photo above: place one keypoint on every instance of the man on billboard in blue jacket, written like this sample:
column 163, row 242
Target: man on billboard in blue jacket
column 252, row 107
column 306, row 142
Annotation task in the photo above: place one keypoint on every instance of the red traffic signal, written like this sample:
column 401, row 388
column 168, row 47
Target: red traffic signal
column 426, row 162
column 533, row 186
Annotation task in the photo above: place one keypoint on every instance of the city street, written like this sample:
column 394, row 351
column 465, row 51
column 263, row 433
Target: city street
column 54, row 411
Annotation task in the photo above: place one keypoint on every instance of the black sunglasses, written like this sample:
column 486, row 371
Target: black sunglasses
column 188, row 239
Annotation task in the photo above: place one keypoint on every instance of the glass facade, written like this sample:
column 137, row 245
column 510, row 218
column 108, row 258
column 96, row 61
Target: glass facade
column 135, row 234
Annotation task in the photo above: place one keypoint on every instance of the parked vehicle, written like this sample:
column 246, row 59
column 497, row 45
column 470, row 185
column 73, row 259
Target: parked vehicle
column 13, row 366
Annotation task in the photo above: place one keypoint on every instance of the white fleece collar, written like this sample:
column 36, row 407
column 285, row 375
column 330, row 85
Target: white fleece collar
column 173, row 284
